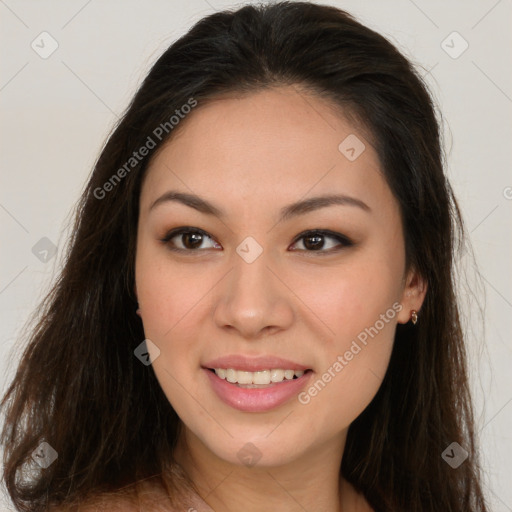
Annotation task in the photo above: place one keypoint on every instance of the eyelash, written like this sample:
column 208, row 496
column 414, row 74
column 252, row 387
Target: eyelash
column 342, row 239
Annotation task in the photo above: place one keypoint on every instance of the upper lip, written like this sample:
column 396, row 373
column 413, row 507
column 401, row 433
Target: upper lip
column 253, row 363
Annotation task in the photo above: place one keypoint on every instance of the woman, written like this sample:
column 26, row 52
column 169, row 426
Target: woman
column 257, row 309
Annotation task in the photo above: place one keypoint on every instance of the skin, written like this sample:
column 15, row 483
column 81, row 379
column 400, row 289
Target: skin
column 250, row 156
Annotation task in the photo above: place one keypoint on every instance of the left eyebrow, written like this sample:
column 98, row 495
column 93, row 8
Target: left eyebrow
column 315, row 203
column 292, row 210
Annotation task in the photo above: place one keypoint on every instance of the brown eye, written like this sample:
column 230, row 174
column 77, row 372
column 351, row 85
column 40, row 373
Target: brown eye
column 191, row 240
column 185, row 239
column 314, row 242
column 317, row 241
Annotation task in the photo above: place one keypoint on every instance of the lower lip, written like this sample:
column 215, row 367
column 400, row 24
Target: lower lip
column 257, row 399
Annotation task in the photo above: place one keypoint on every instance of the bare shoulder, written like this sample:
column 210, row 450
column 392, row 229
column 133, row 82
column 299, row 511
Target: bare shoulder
column 151, row 501
column 113, row 505
column 98, row 505
column 141, row 497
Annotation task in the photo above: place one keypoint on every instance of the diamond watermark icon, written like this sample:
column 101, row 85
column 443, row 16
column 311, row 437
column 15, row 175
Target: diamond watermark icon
column 44, row 250
column 44, row 45
column 147, row 352
column 454, row 45
column 249, row 250
column 44, row 455
column 249, row 455
column 351, row 147
column 454, row 455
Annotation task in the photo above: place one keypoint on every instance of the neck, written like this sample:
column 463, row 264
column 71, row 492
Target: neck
column 309, row 482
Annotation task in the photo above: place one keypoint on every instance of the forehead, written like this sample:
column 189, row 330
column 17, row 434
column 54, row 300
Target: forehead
column 278, row 143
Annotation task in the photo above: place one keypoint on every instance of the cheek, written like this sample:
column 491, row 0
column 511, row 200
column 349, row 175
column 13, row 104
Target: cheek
column 354, row 363
column 358, row 306
column 349, row 298
column 171, row 298
column 169, row 293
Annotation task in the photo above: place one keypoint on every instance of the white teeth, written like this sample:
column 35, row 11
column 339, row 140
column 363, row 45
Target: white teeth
column 244, row 377
column 263, row 377
column 276, row 375
column 288, row 374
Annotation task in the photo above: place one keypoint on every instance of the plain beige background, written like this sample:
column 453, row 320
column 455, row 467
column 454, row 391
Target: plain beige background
column 57, row 111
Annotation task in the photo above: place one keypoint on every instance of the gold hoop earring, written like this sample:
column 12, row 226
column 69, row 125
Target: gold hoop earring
column 414, row 317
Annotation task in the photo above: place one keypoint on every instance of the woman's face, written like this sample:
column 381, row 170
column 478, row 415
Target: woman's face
column 298, row 323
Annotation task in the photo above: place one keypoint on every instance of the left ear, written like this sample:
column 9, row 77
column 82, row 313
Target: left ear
column 413, row 295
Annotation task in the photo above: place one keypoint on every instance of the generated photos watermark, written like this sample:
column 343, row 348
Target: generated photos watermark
column 355, row 348
column 138, row 156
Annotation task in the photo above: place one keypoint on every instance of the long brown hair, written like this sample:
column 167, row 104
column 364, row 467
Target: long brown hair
column 79, row 386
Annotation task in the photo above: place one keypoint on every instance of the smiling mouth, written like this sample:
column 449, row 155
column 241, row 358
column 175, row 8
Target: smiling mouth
column 258, row 379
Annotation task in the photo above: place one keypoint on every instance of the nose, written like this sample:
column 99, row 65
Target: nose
column 253, row 300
